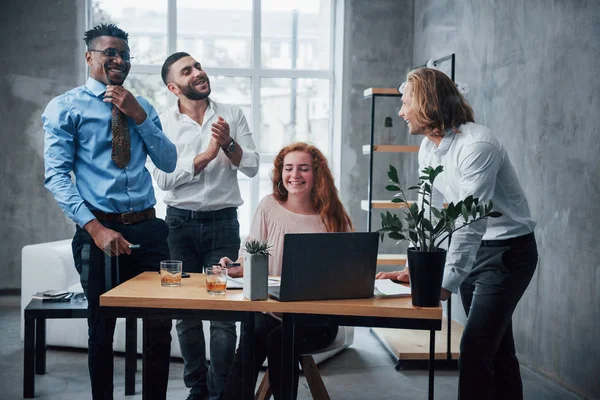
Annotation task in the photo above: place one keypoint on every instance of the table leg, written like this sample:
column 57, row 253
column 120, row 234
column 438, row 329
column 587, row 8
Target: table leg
column 431, row 361
column 287, row 357
column 130, row 355
column 145, row 364
column 40, row 346
column 29, row 358
column 249, row 362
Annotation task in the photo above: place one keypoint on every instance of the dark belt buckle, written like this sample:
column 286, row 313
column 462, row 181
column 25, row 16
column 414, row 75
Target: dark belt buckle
column 128, row 218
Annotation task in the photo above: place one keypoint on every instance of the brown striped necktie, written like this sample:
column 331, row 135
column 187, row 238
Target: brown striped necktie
column 121, row 153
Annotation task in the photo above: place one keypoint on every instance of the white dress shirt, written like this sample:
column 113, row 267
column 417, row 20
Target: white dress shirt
column 216, row 187
column 475, row 163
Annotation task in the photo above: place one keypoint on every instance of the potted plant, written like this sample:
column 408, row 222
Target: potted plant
column 256, row 270
column 426, row 228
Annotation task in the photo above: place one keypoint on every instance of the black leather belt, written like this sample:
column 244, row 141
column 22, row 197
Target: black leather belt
column 225, row 213
column 519, row 240
column 126, row 218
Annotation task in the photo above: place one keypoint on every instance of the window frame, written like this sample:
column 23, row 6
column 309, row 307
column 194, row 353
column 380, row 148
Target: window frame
column 256, row 73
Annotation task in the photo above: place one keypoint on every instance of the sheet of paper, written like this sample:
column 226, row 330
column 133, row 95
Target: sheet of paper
column 387, row 287
column 238, row 283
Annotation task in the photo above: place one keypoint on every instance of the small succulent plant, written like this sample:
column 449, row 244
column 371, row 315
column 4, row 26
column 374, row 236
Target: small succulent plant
column 258, row 247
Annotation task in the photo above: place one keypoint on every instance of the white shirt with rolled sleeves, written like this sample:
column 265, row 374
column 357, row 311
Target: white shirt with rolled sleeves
column 475, row 163
column 216, row 187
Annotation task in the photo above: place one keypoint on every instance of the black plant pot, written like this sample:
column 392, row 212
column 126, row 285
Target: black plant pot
column 426, row 270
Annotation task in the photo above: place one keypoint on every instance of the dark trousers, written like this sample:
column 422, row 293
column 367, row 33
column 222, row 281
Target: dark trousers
column 488, row 365
column 268, row 345
column 100, row 273
column 200, row 239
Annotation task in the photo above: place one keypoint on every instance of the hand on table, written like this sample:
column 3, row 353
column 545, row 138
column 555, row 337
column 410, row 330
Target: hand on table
column 398, row 276
column 233, row 272
column 445, row 294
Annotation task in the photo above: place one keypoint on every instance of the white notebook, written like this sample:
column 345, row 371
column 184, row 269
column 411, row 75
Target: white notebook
column 389, row 288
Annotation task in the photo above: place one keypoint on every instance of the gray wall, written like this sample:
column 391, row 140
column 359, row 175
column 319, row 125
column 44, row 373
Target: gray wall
column 378, row 38
column 38, row 61
column 533, row 68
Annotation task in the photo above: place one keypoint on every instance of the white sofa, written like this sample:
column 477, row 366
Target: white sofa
column 50, row 266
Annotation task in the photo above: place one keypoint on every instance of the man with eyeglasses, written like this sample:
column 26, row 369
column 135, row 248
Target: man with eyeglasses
column 103, row 135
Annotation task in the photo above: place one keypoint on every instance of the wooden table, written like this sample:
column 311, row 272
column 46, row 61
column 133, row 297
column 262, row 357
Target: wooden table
column 143, row 297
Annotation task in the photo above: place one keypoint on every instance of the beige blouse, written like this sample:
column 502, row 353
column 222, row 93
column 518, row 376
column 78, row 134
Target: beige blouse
column 272, row 221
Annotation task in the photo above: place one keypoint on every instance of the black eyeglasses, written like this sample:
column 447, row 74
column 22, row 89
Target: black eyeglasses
column 114, row 53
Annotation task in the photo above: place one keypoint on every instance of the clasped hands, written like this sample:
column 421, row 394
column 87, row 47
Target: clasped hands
column 220, row 137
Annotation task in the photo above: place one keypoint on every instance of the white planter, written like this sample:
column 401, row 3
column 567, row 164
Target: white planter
column 256, row 277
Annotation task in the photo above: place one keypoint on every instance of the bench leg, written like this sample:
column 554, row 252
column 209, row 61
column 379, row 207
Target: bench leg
column 313, row 377
column 29, row 358
column 264, row 389
column 130, row 355
column 40, row 346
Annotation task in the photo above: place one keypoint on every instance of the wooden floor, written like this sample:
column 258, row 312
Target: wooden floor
column 406, row 344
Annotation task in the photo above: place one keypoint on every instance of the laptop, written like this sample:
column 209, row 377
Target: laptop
column 327, row 266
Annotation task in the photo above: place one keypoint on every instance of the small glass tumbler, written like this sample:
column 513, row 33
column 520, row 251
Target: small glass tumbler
column 170, row 273
column 216, row 280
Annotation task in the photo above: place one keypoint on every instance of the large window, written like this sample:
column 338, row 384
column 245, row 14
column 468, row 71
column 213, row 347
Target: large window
column 272, row 58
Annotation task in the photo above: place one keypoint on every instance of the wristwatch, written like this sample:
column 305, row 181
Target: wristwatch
column 230, row 148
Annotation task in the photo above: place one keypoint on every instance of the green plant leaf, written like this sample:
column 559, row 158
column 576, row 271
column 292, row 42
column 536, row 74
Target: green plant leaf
column 400, row 197
column 397, row 200
column 414, row 210
column 396, row 236
column 414, row 188
column 392, row 188
column 495, row 214
column 481, row 209
column 439, row 226
column 438, row 214
column 450, row 210
column 427, row 224
column 468, row 202
column 465, row 212
column 393, row 174
column 413, row 236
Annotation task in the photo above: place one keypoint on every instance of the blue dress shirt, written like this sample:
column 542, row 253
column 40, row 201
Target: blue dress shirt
column 78, row 138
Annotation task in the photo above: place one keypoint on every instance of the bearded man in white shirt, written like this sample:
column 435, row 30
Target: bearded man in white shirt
column 491, row 261
column 213, row 142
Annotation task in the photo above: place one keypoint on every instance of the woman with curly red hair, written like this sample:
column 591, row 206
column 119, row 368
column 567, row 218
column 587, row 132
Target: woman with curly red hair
column 304, row 200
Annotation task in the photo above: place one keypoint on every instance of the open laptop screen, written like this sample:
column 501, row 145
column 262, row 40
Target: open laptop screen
column 328, row 266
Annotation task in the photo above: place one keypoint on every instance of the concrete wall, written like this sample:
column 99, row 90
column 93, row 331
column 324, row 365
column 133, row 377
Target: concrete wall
column 533, row 69
column 38, row 62
column 378, row 43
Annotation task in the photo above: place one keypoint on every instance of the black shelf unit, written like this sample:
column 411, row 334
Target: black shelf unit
column 373, row 93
